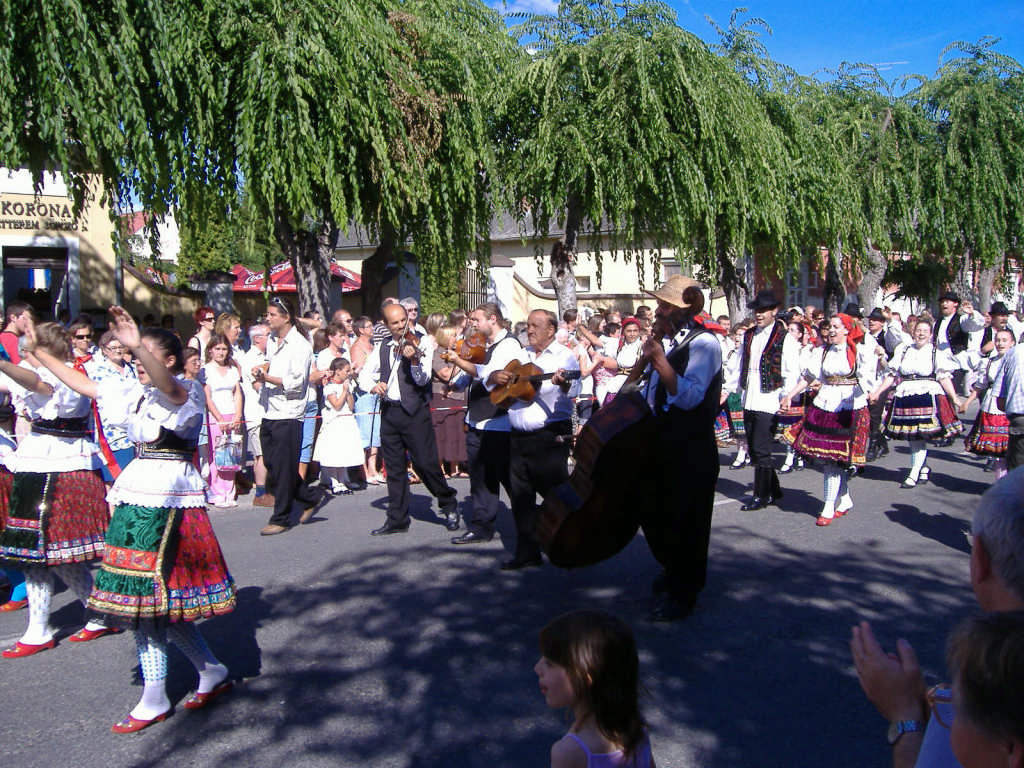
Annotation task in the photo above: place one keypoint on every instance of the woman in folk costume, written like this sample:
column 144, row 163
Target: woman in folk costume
column 991, row 432
column 55, row 521
column 924, row 402
column 836, row 425
column 794, row 413
column 163, row 568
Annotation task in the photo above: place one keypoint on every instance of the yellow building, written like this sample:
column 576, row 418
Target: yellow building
column 64, row 264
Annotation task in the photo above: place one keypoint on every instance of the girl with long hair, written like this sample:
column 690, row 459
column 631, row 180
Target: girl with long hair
column 590, row 666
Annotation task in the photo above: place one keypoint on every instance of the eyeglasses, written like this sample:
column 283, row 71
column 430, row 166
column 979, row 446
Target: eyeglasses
column 83, row 336
column 940, row 694
column 115, row 348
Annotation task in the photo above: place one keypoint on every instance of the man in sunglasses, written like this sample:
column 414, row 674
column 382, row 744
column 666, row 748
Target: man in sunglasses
column 894, row 683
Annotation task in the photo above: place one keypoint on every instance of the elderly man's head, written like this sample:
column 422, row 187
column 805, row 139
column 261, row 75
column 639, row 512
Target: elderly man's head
column 997, row 558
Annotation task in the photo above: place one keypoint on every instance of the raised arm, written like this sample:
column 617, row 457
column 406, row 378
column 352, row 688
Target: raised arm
column 128, row 334
column 72, row 377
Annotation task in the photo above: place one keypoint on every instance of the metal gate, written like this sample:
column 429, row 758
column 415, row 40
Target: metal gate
column 474, row 288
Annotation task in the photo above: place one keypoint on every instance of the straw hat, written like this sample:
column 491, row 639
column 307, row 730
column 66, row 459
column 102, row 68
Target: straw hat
column 672, row 291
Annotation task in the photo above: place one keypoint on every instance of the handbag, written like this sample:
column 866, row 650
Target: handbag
column 227, row 451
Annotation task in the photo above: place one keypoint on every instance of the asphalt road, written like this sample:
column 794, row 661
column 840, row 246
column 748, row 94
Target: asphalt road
column 406, row 651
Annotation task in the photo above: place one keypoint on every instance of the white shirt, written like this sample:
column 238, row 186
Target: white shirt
column 500, row 357
column 550, row 404
column 290, row 359
column 370, row 374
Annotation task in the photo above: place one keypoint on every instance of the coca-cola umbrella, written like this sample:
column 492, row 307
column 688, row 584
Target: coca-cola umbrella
column 282, row 279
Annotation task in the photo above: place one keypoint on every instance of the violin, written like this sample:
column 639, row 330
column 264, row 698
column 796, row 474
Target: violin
column 526, row 378
column 472, row 349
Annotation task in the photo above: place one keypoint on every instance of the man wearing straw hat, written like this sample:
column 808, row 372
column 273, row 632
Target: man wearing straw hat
column 683, row 391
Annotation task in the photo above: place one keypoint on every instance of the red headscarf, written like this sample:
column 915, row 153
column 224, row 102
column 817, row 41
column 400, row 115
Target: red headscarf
column 853, row 335
column 704, row 319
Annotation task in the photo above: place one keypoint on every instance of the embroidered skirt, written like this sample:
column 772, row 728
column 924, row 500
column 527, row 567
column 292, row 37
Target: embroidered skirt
column 54, row 518
column 735, row 405
column 791, row 415
column 161, row 565
column 921, row 417
column 723, row 434
column 840, row 437
column 990, row 434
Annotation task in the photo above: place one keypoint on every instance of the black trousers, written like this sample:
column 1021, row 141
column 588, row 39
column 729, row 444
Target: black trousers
column 876, row 411
column 676, row 518
column 488, row 455
column 539, row 461
column 760, row 440
column 281, row 440
column 402, row 432
column 1015, row 445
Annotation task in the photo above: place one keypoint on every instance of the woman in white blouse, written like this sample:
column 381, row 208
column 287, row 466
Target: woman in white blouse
column 924, row 403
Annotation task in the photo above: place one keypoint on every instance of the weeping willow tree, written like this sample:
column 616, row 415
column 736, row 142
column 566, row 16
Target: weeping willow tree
column 973, row 198
column 322, row 113
column 625, row 127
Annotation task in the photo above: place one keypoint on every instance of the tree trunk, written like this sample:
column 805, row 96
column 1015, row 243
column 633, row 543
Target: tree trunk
column 835, row 291
column 871, row 279
column 986, row 280
column 963, row 279
column 563, row 256
column 309, row 250
column 732, row 277
column 373, row 272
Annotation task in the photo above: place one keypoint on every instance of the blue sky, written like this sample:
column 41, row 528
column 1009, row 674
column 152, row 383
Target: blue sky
column 899, row 37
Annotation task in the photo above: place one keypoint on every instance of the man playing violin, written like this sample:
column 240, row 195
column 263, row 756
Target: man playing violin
column 487, row 425
column 683, row 392
column 541, row 431
column 394, row 370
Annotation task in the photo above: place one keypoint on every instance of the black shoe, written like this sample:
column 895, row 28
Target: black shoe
column 472, row 537
column 357, row 486
column 450, row 515
column 387, row 529
column 518, row 563
column 756, row 502
column 673, row 609
column 660, row 584
column 785, row 469
column 872, row 453
column 883, row 448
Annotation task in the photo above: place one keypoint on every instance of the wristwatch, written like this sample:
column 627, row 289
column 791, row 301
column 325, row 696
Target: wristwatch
column 898, row 727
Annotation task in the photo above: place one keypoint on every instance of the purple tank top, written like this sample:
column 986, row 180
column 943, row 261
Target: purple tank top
column 617, row 759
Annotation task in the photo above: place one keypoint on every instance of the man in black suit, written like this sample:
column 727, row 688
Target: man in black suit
column 394, row 370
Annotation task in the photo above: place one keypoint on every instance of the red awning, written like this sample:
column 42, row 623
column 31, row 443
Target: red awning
column 282, row 279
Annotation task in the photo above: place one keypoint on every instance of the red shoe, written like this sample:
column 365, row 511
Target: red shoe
column 20, row 649
column 200, row 700
column 841, row 512
column 85, row 635
column 13, row 605
column 823, row 521
column 131, row 724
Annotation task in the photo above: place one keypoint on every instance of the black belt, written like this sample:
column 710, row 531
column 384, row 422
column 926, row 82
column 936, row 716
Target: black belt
column 563, row 427
column 63, row 427
column 918, row 377
column 151, row 451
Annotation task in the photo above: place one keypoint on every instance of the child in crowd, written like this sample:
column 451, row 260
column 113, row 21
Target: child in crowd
column 338, row 446
column 589, row 664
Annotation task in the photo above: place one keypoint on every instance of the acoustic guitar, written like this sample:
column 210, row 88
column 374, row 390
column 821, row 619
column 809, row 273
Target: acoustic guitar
column 524, row 384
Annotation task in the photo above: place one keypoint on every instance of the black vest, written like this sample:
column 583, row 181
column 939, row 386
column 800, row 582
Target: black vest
column 956, row 336
column 479, row 406
column 413, row 395
column 698, row 420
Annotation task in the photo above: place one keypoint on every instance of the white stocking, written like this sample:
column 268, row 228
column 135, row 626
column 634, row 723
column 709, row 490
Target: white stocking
column 845, row 501
column 152, row 648
column 187, row 638
column 79, row 579
column 790, row 458
column 39, row 586
column 999, row 468
column 918, row 456
column 833, row 481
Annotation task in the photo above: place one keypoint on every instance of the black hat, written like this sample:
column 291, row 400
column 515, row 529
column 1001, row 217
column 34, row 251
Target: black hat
column 876, row 314
column 853, row 310
column 951, row 295
column 764, row 300
column 998, row 308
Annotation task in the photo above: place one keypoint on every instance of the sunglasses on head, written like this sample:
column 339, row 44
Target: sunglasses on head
column 279, row 303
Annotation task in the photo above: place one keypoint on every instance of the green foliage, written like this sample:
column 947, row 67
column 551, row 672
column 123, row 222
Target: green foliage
column 217, row 240
column 920, row 278
column 660, row 141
